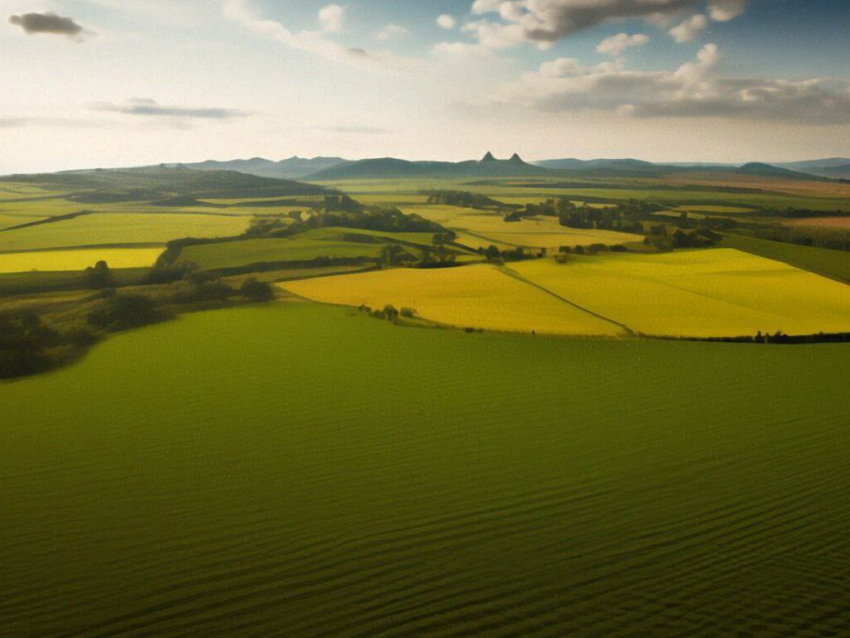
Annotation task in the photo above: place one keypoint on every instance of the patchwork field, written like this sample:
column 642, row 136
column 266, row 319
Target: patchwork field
column 479, row 296
column 61, row 260
column 255, row 251
column 120, row 228
column 351, row 478
column 830, row 263
column 481, row 229
column 708, row 293
column 9, row 220
column 839, row 223
column 333, row 243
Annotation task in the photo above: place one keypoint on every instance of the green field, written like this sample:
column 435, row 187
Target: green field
column 830, row 263
column 256, row 251
column 120, row 228
column 327, row 475
column 704, row 293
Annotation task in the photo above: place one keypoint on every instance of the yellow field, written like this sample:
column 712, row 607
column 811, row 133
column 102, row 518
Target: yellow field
column 481, row 228
column 57, row 260
column 479, row 296
column 707, row 293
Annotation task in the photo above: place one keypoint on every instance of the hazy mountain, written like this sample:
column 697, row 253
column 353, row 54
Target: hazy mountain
column 829, row 162
column 388, row 167
column 770, row 170
column 292, row 168
column 832, row 167
column 572, row 164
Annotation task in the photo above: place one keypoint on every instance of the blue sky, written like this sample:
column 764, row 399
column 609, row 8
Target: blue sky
column 88, row 83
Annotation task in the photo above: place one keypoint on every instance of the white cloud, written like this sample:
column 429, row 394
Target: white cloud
column 389, row 31
column 331, row 18
column 147, row 107
column 690, row 28
column 616, row 44
column 446, row 22
column 725, row 10
column 316, row 42
column 694, row 90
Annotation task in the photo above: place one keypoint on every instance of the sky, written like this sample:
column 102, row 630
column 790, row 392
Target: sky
column 108, row 83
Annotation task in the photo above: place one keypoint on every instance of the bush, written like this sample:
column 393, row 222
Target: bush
column 258, row 291
column 126, row 311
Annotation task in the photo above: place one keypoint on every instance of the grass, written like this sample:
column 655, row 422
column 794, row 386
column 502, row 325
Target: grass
column 708, row 293
column 58, row 260
column 334, row 243
column 120, row 228
column 823, row 261
column 255, row 251
column 479, row 296
column 9, row 220
column 291, row 470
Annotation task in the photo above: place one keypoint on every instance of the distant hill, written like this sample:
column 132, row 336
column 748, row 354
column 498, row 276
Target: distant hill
column 769, row 170
column 636, row 168
column 390, row 167
column 572, row 164
column 292, row 168
column 834, row 172
column 162, row 183
column 831, row 167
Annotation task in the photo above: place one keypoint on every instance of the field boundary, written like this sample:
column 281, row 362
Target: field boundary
column 512, row 273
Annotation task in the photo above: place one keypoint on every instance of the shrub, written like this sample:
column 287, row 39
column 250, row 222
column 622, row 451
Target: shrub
column 257, row 291
column 126, row 311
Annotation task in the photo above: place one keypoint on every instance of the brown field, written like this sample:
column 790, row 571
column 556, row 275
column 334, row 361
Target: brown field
column 841, row 222
column 767, row 184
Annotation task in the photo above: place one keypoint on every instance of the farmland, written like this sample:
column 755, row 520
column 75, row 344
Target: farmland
column 830, row 263
column 710, row 293
column 80, row 259
column 589, row 487
column 120, row 228
column 480, row 229
column 479, row 296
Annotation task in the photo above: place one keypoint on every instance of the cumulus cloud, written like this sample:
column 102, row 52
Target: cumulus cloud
column 446, row 22
column 690, row 28
column 331, row 18
column 693, row 90
column 389, row 31
column 48, row 23
column 725, row 10
column 616, row 44
column 546, row 21
column 150, row 108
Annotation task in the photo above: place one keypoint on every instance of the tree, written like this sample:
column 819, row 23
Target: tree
column 100, row 276
column 493, row 253
column 259, row 291
column 392, row 254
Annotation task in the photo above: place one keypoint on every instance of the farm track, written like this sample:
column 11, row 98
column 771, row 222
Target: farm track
column 512, row 273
